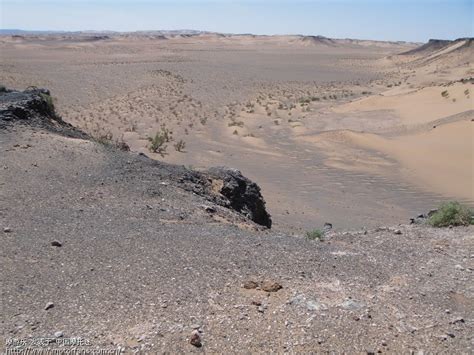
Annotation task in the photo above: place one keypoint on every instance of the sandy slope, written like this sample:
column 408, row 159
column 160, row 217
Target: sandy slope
column 417, row 105
column 440, row 159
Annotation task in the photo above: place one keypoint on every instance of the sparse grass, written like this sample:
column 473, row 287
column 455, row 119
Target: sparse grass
column 452, row 214
column 180, row 146
column 234, row 123
column 305, row 100
column 315, row 234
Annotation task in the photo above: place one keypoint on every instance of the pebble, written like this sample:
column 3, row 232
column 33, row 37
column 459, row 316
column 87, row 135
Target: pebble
column 271, row 286
column 49, row 305
column 351, row 305
column 7, row 230
column 250, row 285
column 457, row 320
column 397, row 231
column 56, row 243
column 58, row 334
column 195, row 339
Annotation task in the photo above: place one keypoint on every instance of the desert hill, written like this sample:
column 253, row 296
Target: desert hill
column 442, row 53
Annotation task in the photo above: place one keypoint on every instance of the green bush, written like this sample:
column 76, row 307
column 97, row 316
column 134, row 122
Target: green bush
column 314, row 234
column 452, row 214
column 157, row 143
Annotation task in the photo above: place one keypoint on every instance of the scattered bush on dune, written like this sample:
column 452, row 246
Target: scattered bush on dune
column 452, row 214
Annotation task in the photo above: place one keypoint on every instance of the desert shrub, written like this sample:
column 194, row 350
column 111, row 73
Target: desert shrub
column 49, row 101
column 452, row 214
column 445, row 93
column 157, row 144
column 166, row 133
column 179, row 146
column 104, row 138
column 314, row 234
column 235, row 133
column 3, row 88
column 203, row 120
column 234, row 123
column 305, row 100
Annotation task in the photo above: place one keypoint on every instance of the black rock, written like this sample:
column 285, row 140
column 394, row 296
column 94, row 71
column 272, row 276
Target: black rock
column 238, row 193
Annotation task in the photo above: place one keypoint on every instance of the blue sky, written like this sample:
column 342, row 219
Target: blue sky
column 366, row 19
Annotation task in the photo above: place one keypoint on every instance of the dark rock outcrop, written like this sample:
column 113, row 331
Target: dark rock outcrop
column 34, row 107
column 235, row 191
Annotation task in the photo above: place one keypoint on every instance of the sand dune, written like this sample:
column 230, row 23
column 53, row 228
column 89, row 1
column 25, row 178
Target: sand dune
column 440, row 159
column 419, row 105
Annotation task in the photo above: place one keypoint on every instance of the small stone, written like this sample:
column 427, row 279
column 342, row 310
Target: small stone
column 195, row 326
column 256, row 303
column 351, row 305
column 457, row 320
column 209, row 209
column 56, row 243
column 384, row 343
column 250, row 285
column 271, row 286
column 195, row 339
column 397, row 231
column 458, row 267
column 313, row 305
column 7, row 230
column 58, row 334
column 261, row 309
column 141, row 338
column 49, row 305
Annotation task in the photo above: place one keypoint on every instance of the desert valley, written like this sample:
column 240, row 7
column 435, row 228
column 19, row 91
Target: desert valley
column 333, row 130
column 186, row 191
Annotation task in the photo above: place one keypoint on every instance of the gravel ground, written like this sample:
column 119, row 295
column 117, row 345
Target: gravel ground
column 115, row 248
